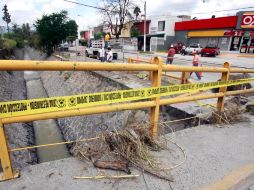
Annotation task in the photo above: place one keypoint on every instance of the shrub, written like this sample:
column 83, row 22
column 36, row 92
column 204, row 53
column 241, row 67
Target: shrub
column 16, row 37
column 9, row 44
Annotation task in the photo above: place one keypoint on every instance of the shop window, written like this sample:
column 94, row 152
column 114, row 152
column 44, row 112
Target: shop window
column 161, row 26
column 246, row 40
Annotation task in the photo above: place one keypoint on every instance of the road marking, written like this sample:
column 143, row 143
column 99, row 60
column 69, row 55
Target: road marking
column 232, row 179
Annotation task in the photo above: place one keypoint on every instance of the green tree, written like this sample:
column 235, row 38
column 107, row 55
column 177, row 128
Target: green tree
column 98, row 36
column 135, row 31
column 53, row 29
column 6, row 17
column 71, row 28
column 26, row 31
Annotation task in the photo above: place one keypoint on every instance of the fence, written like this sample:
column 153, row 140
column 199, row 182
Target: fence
column 183, row 79
column 155, row 68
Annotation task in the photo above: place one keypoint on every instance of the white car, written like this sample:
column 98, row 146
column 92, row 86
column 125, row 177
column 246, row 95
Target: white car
column 193, row 47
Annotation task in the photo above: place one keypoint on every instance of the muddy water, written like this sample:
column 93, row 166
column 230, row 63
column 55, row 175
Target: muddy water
column 46, row 131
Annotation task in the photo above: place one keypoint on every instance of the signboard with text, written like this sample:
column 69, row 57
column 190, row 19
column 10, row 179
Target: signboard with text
column 248, row 20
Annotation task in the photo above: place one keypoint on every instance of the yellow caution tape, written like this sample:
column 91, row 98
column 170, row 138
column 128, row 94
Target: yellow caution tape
column 44, row 105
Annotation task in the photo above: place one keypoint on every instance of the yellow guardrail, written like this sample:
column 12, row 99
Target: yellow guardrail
column 78, row 105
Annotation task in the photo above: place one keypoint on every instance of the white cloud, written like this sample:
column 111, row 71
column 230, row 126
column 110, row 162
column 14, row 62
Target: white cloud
column 17, row 5
column 56, row 5
column 28, row 10
column 188, row 7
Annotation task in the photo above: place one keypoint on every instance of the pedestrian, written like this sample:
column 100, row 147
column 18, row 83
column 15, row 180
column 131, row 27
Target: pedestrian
column 195, row 63
column 107, row 38
column 171, row 54
column 102, row 54
column 109, row 55
column 183, row 50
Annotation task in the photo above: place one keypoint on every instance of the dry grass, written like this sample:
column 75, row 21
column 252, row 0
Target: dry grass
column 119, row 149
column 233, row 113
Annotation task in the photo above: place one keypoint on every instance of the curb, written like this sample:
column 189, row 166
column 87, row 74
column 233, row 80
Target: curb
column 60, row 57
column 234, row 180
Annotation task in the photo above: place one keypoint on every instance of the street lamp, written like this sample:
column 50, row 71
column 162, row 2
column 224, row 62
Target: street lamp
column 145, row 27
column 144, row 24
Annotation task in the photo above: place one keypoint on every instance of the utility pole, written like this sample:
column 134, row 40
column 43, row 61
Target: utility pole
column 145, row 27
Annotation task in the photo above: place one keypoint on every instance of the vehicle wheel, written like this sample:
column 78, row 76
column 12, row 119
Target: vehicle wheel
column 87, row 55
column 202, row 55
column 98, row 55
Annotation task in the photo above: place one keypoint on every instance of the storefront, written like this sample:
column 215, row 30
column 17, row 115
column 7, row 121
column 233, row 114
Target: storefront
column 207, row 31
column 246, row 25
column 231, row 33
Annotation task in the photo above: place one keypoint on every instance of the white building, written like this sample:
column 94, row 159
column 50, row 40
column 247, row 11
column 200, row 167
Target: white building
column 162, row 31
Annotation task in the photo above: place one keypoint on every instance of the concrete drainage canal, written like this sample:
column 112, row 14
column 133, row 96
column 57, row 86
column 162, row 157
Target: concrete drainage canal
column 44, row 84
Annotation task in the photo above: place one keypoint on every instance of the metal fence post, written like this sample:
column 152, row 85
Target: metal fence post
column 155, row 111
column 5, row 157
column 224, row 77
column 130, row 61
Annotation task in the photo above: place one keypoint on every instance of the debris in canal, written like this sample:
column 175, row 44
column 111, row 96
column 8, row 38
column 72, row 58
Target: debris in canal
column 119, row 149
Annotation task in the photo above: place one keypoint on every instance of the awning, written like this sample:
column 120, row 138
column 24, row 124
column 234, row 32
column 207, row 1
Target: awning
column 207, row 33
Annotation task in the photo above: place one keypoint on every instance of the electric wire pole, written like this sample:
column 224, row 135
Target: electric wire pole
column 145, row 27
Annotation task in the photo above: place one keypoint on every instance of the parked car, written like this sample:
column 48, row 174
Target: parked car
column 193, row 47
column 63, row 47
column 210, row 50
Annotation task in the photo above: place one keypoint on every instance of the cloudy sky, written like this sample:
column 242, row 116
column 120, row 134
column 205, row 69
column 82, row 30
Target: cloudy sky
column 29, row 10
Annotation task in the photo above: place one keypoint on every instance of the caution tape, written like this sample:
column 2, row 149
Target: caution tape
column 45, row 105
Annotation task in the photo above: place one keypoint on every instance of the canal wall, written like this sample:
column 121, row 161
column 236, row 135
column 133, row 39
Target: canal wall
column 12, row 85
column 68, row 83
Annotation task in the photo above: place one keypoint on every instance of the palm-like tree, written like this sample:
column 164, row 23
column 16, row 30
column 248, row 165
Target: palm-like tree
column 137, row 11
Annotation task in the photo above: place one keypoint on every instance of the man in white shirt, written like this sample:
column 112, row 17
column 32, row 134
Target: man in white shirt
column 109, row 55
column 102, row 54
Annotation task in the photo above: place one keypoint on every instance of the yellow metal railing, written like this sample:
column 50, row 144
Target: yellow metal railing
column 155, row 67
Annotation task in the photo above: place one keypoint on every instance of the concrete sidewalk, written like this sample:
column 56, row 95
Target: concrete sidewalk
column 212, row 153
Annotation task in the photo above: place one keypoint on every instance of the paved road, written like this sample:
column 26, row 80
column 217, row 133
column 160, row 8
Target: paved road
column 235, row 61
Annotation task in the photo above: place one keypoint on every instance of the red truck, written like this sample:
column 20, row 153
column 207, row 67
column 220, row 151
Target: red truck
column 210, row 50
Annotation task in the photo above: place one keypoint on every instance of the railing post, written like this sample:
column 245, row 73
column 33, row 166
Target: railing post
column 5, row 157
column 183, row 78
column 224, row 77
column 150, row 77
column 130, row 60
column 155, row 111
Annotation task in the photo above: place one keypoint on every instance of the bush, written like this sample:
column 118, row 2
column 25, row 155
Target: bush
column 9, row 44
column 1, row 43
column 83, row 42
column 34, row 41
column 135, row 32
column 16, row 37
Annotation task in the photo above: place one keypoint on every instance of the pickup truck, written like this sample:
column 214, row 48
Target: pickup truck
column 210, row 50
column 93, row 49
column 193, row 47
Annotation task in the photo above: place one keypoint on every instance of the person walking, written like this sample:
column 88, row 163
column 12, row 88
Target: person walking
column 183, row 50
column 195, row 63
column 171, row 54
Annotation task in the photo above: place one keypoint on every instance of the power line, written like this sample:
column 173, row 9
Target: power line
column 227, row 10
column 91, row 6
column 224, row 10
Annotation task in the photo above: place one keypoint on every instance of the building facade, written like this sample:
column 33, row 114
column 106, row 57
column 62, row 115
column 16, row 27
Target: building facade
column 245, row 24
column 160, row 31
column 231, row 33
